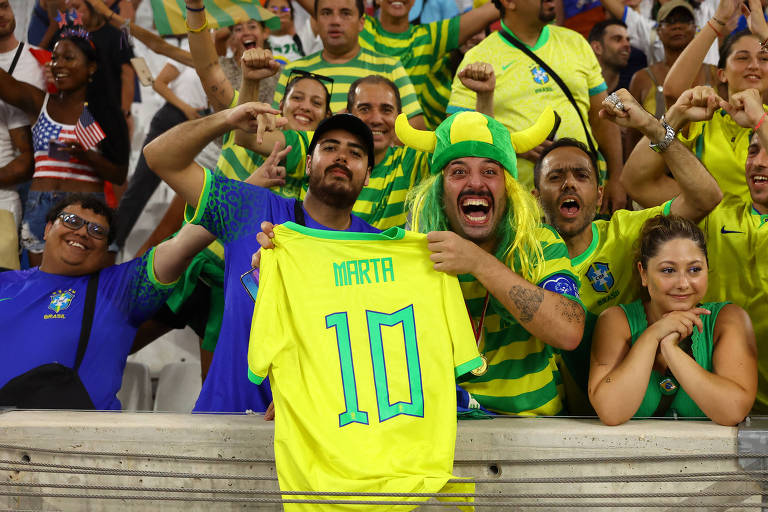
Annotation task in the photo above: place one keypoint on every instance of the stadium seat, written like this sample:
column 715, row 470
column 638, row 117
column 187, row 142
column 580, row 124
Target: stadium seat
column 136, row 392
column 178, row 387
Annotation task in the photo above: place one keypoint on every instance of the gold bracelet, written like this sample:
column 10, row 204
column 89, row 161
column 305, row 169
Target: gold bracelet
column 196, row 30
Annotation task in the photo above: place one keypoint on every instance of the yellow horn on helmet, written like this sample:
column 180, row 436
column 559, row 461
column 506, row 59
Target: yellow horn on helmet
column 532, row 136
column 421, row 140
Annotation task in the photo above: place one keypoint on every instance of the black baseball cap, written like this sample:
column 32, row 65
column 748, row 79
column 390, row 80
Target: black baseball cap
column 349, row 123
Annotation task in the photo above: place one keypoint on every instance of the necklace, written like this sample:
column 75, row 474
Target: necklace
column 478, row 332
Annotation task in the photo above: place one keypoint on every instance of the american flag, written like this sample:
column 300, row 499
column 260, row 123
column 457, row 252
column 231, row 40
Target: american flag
column 87, row 130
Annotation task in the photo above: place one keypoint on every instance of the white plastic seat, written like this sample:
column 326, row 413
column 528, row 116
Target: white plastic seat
column 136, row 391
column 178, row 387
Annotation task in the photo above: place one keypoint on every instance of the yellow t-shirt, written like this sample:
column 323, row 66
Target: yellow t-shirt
column 362, row 368
column 722, row 145
column 737, row 245
column 523, row 88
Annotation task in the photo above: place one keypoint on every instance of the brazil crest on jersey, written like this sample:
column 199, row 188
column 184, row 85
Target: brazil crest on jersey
column 362, row 340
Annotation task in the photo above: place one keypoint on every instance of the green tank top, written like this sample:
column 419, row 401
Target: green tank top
column 702, row 347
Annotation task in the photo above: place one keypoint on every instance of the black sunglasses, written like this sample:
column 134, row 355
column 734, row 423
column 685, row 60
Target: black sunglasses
column 75, row 222
column 298, row 74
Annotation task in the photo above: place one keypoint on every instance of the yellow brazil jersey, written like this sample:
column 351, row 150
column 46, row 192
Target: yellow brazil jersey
column 362, row 368
column 365, row 63
column 722, row 145
column 606, row 272
column 737, row 245
column 421, row 49
column 523, row 374
column 381, row 203
column 523, row 88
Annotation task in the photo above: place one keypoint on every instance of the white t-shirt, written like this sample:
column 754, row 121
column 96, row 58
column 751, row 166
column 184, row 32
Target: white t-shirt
column 642, row 32
column 27, row 70
column 284, row 48
column 187, row 87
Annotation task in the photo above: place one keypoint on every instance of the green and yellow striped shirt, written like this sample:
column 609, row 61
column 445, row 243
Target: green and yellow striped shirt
column 365, row 63
column 523, row 376
column 421, row 49
column 382, row 202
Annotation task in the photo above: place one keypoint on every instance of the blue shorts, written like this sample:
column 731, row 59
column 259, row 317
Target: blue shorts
column 38, row 204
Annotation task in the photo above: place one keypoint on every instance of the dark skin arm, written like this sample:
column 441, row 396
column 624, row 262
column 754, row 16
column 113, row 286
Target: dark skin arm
column 27, row 98
column 20, row 168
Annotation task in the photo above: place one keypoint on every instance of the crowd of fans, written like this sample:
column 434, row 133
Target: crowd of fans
column 601, row 193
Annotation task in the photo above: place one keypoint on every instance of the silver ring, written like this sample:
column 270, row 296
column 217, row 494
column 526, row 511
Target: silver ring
column 614, row 98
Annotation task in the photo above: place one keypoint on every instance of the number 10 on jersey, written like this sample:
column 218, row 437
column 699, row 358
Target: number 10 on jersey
column 375, row 320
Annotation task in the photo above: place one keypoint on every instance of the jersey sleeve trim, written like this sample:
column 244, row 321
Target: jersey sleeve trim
column 393, row 233
column 195, row 215
column 470, row 365
column 598, row 89
column 667, row 208
column 254, row 378
column 153, row 277
column 452, row 109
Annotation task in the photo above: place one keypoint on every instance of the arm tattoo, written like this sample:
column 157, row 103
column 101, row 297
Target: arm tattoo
column 526, row 301
column 570, row 310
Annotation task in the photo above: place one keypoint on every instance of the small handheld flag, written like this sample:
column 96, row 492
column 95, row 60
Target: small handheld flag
column 87, row 130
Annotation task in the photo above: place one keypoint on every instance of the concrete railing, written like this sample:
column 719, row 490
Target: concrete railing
column 521, row 463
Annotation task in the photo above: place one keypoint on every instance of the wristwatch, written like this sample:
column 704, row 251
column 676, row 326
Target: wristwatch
column 664, row 143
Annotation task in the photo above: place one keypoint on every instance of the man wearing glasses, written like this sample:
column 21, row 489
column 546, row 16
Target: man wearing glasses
column 339, row 23
column 43, row 313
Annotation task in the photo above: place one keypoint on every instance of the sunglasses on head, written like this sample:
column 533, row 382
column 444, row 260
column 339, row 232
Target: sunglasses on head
column 298, row 74
column 75, row 222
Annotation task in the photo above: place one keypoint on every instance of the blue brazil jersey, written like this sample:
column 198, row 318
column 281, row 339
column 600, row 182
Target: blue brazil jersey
column 41, row 315
column 233, row 211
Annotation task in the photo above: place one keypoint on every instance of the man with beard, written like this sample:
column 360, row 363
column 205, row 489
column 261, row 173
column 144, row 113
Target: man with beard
column 515, row 274
column 339, row 161
column 610, row 42
column 601, row 251
column 524, row 87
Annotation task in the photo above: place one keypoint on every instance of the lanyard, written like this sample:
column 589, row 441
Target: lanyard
column 478, row 330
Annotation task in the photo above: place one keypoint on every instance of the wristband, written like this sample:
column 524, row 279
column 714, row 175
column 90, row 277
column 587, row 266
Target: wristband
column 713, row 28
column 196, row 30
column 760, row 122
column 199, row 9
column 722, row 23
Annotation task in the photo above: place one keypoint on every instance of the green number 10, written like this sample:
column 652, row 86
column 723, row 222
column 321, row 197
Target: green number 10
column 375, row 321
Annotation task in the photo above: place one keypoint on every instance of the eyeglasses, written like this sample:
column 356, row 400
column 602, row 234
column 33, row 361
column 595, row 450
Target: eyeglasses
column 75, row 222
column 298, row 74
column 280, row 9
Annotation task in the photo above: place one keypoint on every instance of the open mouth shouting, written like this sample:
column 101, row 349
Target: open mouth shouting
column 250, row 43
column 570, row 206
column 475, row 209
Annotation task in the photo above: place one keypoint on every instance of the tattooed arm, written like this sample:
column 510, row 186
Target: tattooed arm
column 551, row 317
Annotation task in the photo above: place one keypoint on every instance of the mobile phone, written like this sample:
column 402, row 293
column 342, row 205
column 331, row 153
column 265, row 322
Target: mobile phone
column 56, row 150
column 142, row 71
column 250, row 282
column 553, row 133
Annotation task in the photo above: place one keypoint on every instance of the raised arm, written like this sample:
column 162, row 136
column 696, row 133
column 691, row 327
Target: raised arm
column 153, row 41
column 695, row 190
column 215, row 83
column 480, row 78
column 609, row 143
column 475, row 20
column 725, row 394
column 551, row 317
column 171, row 155
column 686, row 68
column 26, row 97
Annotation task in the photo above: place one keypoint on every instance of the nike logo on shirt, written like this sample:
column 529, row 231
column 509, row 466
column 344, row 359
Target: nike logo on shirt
column 6, row 298
column 505, row 66
column 726, row 231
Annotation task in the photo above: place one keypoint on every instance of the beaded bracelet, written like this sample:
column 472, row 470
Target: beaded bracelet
column 760, row 122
